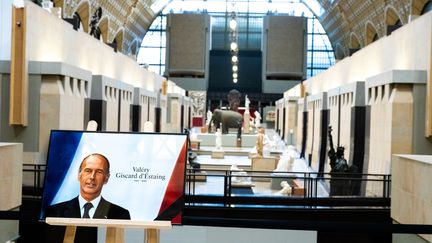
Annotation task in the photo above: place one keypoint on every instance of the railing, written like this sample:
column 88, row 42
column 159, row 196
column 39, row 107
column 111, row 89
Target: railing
column 308, row 189
column 33, row 176
column 263, row 189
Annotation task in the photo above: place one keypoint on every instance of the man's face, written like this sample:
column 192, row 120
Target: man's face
column 93, row 176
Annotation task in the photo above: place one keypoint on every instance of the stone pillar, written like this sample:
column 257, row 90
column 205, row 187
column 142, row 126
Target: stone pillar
column 316, row 146
column 58, row 95
column 104, row 104
column 347, row 118
column 394, row 112
column 279, row 112
column 151, row 109
column 290, row 105
column 125, row 107
column 186, row 112
column 163, row 113
column 302, row 126
column 174, row 106
column 141, row 104
column 62, row 106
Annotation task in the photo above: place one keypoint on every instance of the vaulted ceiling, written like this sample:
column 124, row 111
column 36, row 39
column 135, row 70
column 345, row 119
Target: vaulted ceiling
column 350, row 24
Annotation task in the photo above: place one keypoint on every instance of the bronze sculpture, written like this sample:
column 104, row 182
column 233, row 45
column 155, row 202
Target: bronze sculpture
column 342, row 181
column 94, row 23
column 337, row 161
column 234, row 99
column 226, row 118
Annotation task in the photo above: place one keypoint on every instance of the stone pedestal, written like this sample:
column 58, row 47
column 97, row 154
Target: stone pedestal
column 228, row 140
column 238, row 143
column 276, row 180
column 263, row 164
column 411, row 198
column 11, row 160
column 219, row 154
column 195, row 144
column 297, row 188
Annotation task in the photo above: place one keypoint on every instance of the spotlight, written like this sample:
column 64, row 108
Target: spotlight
column 233, row 24
column 234, row 46
column 234, row 59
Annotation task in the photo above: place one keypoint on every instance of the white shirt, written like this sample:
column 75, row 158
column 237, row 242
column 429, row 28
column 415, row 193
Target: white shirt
column 92, row 210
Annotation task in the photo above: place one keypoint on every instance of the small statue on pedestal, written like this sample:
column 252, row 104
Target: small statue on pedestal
column 218, row 139
column 260, row 141
column 285, row 191
column 247, row 102
column 209, row 118
column 257, row 120
column 285, row 163
column 239, row 175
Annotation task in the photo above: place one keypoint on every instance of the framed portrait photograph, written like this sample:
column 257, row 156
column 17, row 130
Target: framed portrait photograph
column 112, row 175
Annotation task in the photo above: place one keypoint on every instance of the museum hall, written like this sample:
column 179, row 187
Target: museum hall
column 160, row 121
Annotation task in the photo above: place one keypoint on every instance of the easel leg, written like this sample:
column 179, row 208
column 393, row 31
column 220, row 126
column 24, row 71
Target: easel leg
column 151, row 236
column 69, row 235
column 114, row 235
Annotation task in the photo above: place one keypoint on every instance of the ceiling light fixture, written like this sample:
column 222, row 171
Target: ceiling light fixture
column 234, row 40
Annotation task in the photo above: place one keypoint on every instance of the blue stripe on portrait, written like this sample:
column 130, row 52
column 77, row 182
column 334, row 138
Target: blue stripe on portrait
column 62, row 148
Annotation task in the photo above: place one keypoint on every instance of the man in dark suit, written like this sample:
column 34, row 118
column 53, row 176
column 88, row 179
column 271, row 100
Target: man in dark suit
column 93, row 174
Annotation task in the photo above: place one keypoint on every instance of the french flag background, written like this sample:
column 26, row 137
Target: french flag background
column 147, row 171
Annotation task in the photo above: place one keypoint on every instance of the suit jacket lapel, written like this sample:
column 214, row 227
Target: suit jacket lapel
column 73, row 209
column 102, row 209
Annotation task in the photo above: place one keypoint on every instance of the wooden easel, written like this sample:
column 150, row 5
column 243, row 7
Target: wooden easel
column 115, row 227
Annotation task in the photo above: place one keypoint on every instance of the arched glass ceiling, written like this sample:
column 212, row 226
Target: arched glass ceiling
column 294, row 7
column 320, row 54
column 261, row 5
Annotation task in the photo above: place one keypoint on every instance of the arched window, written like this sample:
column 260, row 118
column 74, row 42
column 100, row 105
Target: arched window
column 83, row 11
column 104, row 28
column 427, row 7
column 354, row 44
column 118, row 39
column 339, row 52
column 371, row 33
column 419, row 7
column 392, row 21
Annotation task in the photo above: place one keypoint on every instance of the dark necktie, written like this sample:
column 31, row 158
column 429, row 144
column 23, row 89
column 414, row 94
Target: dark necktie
column 87, row 208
